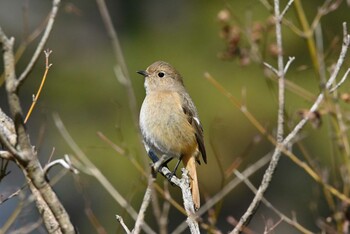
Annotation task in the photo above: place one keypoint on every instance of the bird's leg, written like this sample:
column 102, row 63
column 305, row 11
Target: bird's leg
column 154, row 159
column 158, row 163
column 177, row 165
column 162, row 162
column 173, row 173
column 153, row 156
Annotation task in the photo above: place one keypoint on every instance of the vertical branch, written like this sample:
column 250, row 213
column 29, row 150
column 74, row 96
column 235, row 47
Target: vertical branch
column 188, row 202
column 144, row 205
column 281, row 73
column 184, row 185
column 280, row 124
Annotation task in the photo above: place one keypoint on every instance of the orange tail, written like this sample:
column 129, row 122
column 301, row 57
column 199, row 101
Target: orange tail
column 190, row 164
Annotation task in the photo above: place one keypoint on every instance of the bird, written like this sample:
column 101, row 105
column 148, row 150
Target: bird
column 169, row 122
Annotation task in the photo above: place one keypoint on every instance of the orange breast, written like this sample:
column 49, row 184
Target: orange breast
column 165, row 126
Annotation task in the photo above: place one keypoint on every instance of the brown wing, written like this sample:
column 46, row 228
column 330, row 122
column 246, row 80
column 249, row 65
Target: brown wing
column 194, row 121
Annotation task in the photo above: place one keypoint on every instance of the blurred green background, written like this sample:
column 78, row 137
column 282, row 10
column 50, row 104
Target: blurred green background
column 82, row 89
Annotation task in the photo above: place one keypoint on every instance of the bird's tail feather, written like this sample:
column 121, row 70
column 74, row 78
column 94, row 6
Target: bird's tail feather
column 190, row 165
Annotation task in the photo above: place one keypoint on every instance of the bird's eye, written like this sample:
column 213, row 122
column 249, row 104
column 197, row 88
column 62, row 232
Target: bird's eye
column 161, row 74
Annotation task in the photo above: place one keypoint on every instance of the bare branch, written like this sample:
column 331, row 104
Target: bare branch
column 341, row 81
column 184, row 185
column 40, row 47
column 66, row 163
column 280, row 127
column 144, row 205
column 290, row 60
column 268, row 174
column 53, row 213
column 14, row 194
column 121, row 221
column 271, row 68
column 286, row 8
column 283, row 217
column 188, row 202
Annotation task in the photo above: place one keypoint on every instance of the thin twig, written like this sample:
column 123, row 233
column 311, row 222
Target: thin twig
column 271, row 68
column 144, row 206
column 290, row 60
column 66, row 163
column 40, row 47
column 14, row 194
column 286, row 8
column 121, row 221
column 341, row 81
column 283, row 217
column 36, row 96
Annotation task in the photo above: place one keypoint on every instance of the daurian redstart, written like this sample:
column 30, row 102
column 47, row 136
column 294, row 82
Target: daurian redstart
column 169, row 121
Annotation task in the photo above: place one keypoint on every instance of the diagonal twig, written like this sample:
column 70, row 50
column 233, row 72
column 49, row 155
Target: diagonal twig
column 40, row 47
column 36, row 96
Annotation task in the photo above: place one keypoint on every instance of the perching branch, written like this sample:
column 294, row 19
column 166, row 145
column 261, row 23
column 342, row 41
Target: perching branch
column 184, row 185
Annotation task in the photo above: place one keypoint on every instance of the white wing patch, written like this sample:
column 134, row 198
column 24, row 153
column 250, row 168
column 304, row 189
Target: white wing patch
column 197, row 121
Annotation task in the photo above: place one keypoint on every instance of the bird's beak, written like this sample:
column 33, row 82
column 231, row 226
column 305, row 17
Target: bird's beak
column 143, row 73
